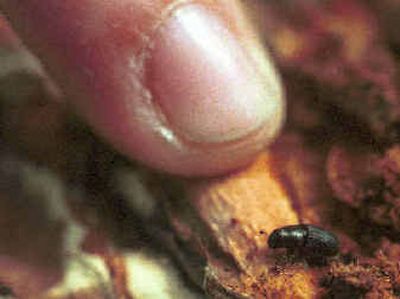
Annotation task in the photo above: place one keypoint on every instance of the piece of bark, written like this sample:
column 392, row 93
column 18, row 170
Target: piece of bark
column 228, row 221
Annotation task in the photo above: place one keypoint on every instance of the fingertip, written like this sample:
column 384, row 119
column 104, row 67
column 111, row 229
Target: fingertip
column 185, row 88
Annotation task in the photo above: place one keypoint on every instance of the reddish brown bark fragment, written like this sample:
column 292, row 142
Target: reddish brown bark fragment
column 349, row 170
column 368, row 181
column 340, row 46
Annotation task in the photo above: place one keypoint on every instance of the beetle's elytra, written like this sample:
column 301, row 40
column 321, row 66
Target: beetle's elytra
column 311, row 240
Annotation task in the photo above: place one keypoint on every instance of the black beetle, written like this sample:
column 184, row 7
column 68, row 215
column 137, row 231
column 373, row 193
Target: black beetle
column 308, row 239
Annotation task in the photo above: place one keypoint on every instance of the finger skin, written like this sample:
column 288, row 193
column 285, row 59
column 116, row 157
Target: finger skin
column 101, row 54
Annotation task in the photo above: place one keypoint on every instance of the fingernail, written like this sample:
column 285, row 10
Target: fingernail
column 209, row 86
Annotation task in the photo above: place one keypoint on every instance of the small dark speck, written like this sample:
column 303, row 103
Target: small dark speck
column 234, row 221
column 5, row 291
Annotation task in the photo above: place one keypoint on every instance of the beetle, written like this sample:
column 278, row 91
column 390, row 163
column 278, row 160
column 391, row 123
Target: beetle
column 309, row 240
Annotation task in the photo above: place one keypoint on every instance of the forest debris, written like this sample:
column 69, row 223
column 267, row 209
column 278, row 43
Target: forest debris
column 368, row 181
column 339, row 45
column 230, row 219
